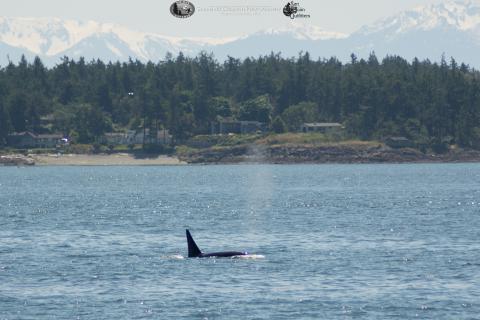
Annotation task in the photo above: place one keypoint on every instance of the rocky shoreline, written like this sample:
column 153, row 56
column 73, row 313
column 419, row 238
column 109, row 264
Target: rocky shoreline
column 16, row 160
column 342, row 153
column 291, row 154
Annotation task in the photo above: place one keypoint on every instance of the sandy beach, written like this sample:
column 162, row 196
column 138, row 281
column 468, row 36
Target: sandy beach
column 119, row 159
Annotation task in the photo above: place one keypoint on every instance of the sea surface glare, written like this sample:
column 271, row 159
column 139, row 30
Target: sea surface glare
column 339, row 242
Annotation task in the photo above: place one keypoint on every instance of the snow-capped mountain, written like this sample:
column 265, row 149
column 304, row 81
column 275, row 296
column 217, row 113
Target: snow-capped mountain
column 51, row 38
column 451, row 28
column 301, row 31
column 459, row 15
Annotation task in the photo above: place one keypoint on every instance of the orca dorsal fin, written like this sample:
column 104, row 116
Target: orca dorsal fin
column 193, row 250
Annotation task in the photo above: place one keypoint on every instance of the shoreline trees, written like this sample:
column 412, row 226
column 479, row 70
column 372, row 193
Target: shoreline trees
column 432, row 103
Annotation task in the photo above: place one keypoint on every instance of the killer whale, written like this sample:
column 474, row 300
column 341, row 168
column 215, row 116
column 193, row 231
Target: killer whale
column 195, row 252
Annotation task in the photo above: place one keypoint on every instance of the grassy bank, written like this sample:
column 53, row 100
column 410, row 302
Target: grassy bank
column 308, row 148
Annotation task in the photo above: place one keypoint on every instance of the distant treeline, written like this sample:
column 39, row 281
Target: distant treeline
column 430, row 103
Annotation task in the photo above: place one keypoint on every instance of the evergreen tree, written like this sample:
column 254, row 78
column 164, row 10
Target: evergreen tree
column 5, row 125
column 278, row 125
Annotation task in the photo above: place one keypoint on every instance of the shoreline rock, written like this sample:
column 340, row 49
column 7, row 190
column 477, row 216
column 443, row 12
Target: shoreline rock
column 16, row 160
column 342, row 154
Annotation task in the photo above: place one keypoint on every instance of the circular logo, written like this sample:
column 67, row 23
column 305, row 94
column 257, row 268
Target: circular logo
column 290, row 9
column 182, row 9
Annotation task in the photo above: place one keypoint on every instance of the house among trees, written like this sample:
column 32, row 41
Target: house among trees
column 399, row 142
column 28, row 139
column 49, row 140
column 163, row 136
column 21, row 139
column 134, row 137
column 321, row 127
column 238, row 127
column 115, row 138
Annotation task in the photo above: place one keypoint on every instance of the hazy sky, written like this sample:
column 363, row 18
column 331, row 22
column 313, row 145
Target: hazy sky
column 154, row 16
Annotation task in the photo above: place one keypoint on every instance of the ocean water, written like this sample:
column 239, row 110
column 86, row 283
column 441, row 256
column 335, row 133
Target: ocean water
column 332, row 242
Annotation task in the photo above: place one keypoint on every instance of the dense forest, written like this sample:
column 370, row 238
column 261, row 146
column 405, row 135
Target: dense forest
column 430, row 103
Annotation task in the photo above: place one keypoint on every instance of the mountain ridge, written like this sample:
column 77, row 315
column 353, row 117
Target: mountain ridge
column 451, row 28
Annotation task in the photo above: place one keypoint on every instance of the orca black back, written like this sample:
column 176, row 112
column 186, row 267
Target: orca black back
column 195, row 252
